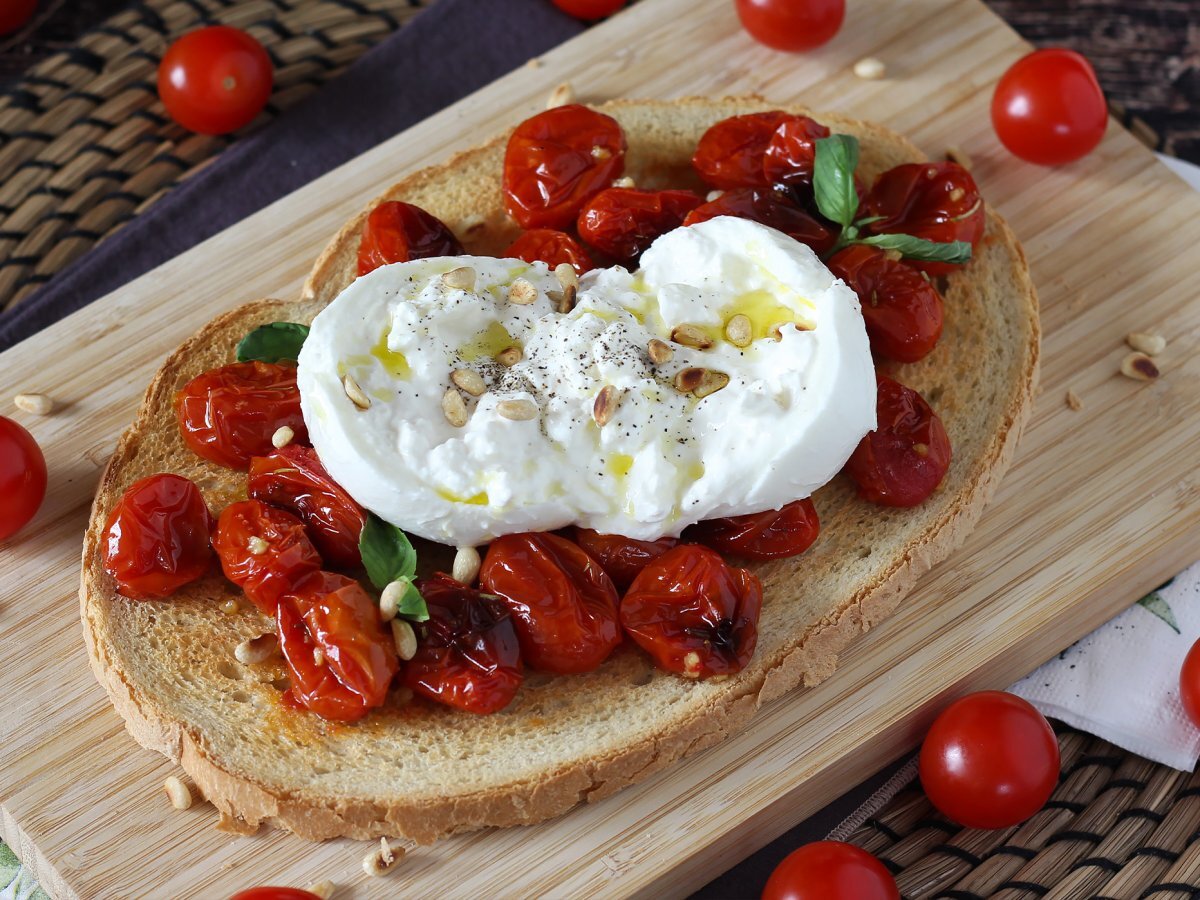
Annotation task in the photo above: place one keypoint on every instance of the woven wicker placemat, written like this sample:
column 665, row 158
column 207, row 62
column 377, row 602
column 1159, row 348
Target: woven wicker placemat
column 85, row 143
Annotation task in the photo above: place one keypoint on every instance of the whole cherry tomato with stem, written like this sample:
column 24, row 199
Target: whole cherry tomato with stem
column 563, row 604
column 693, row 613
column 156, row 538
column 22, row 477
column 830, row 870
column 467, row 656
column 263, row 550
column 621, row 557
column 215, row 80
column 772, row 534
column 558, row 160
column 901, row 307
column 229, row 414
column 551, row 247
column 294, row 479
column 769, row 208
column 791, row 153
column 398, row 232
column 990, row 760
column 623, row 222
column 906, row 457
column 340, row 657
column 1189, row 684
column 15, row 13
column 792, row 25
column 589, row 10
column 1049, row 109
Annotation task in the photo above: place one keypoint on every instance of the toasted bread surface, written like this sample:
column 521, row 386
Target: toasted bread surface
column 421, row 771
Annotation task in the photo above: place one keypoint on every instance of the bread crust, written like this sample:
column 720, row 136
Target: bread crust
column 159, row 716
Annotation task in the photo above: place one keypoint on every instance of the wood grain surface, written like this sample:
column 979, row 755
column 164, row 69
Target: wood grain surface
column 1102, row 504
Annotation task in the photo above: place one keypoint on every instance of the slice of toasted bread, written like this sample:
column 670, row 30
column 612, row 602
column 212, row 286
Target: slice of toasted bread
column 422, row 771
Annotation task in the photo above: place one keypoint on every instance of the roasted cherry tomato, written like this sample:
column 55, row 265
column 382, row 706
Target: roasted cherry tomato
column 22, row 477
column 830, row 870
column 937, row 201
column 563, row 604
column 787, row 531
column 1189, row 684
column 792, row 25
column 1048, row 107
column 990, row 760
column 792, row 151
column 770, row 209
column 468, row 656
column 228, row 415
column 621, row 557
column 623, row 222
column 694, row 614
column 589, row 10
column 215, row 80
column 274, row 893
column 730, row 153
column 15, row 13
column 551, row 247
column 902, row 309
column 156, row 539
column 263, row 550
column 557, row 161
column 905, row 458
column 398, row 232
column 294, row 479
column 341, row 658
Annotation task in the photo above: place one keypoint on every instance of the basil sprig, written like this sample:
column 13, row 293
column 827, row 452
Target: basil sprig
column 273, row 342
column 388, row 556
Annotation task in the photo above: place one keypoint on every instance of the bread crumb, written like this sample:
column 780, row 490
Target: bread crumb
column 382, row 859
column 1150, row 344
column 870, row 68
column 34, row 404
column 1073, row 400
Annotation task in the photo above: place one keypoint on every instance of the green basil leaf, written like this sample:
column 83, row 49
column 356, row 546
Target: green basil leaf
column 833, row 178
column 273, row 342
column 921, row 249
column 412, row 604
column 386, row 552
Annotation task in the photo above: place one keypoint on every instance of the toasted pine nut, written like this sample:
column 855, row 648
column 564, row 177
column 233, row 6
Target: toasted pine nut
column 691, row 336
column 323, row 889
column 382, row 859
column 462, row 278
column 870, row 68
column 564, row 300
column 252, row 651
column 178, row 792
column 470, row 381
column 687, row 380
column 405, row 638
column 1150, row 344
column 318, row 656
column 605, row 405
column 509, row 356
column 922, row 450
column 521, row 292
column 231, row 607
column 466, row 565
column 454, row 407
column 659, row 351
column 566, row 275
column 354, row 392
column 713, row 195
column 691, row 664
column 389, row 600
column 1073, row 401
column 257, row 546
column 738, row 331
column 517, row 410
column 282, row 437
column 34, row 404
column 710, row 384
column 623, row 182
column 561, row 95
column 1139, row 367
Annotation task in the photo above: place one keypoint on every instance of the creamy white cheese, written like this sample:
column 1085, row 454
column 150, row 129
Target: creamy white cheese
column 798, row 401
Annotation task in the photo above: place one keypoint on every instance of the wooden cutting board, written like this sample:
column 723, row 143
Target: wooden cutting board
column 1102, row 504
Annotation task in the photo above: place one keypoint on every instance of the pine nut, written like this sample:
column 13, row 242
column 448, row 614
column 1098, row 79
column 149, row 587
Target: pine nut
column 318, row 656
column 355, row 393
column 605, row 405
column 470, row 381
column 623, row 182
column 691, row 336
column 1139, row 367
column 738, row 331
column 517, row 410
column 1150, row 344
column 1073, row 401
column 382, row 859
column 713, row 195
column 405, row 638
column 560, row 96
column 282, row 437
column 691, row 664
column 710, row 384
column 870, row 68
column 466, row 565
column 252, row 651
column 178, row 793
column 521, row 292
column 509, row 356
column 957, row 194
column 34, row 404
column 659, row 351
column 389, row 600
column 323, row 889
column 231, row 607
column 454, row 407
column 462, row 278
column 257, row 546
column 566, row 275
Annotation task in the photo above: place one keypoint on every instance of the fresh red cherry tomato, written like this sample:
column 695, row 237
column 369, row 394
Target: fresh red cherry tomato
column 937, row 201
column 267, row 570
column 1048, row 107
column 293, row 478
column 772, row 534
column 902, row 309
column 792, row 25
column 990, row 760
column 906, row 457
column 623, row 222
column 468, row 656
column 1189, row 684
column 228, row 415
column 551, row 247
column 15, row 13
column 398, row 232
column 694, row 614
column 215, row 80
column 274, row 893
column 730, row 153
column 791, row 153
column 770, row 209
column 157, row 537
column 589, row 10
column 830, row 870
column 621, row 557
column 563, row 605
column 341, row 658
column 22, row 477
column 558, row 160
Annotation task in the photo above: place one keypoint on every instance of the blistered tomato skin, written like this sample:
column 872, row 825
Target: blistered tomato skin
column 22, row 477
column 558, row 160
column 773, row 534
column 563, row 604
column 791, row 153
column 263, row 550
column 694, row 614
column 906, row 457
column 730, row 154
column 398, row 232
column 228, row 415
column 622, row 222
column 294, row 479
column 768, row 208
column 902, row 309
column 340, row 657
column 156, row 539
column 551, row 247
column 621, row 558
column 467, row 656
